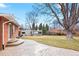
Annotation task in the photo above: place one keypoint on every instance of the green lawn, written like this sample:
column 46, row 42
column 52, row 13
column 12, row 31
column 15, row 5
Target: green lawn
column 57, row 41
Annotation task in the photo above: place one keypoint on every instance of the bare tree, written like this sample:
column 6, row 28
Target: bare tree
column 31, row 21
column 69, row 12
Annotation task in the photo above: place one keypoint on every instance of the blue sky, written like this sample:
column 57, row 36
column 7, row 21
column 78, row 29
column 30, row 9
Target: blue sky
column 17, row 9
column 20, row 9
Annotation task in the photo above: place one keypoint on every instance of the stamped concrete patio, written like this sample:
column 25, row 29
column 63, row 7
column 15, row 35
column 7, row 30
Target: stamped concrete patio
column 32, row 48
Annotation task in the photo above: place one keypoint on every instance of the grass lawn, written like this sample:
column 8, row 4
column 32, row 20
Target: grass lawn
column 57, row 41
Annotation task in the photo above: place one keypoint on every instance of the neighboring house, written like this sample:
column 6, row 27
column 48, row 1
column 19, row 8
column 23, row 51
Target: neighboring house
column 21, row 31
column 56, row 32
column 37, row 32
column 28, row 32
column 76, row 30
column 9, row 29
column 24, row 32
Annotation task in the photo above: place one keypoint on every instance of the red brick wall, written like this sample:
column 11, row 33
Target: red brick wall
column 16, row 31
column 0, row 33
column 5, row 30
column 5, row 34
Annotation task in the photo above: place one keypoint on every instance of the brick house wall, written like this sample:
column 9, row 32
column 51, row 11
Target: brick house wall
column 0, row 33
column 15, row 33
column 15, row 30
column 5, row 34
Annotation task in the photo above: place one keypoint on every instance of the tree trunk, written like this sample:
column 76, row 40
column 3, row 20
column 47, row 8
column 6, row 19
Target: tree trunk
column 69, row 35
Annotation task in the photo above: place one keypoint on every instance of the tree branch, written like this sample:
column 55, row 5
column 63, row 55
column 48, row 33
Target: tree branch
column 54, row 14
column 62, row 8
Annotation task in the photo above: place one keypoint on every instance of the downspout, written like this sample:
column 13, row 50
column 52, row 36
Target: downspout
column 3, row 34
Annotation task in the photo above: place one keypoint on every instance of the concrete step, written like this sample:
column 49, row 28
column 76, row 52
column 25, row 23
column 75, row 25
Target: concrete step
column 12, row 40
column 16, row 43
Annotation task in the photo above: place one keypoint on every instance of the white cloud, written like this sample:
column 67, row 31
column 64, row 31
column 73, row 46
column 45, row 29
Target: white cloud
column 2, row 5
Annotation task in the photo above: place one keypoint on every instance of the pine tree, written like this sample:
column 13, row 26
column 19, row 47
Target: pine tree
column 47, row 27
column 33, row 26
column 44, row 29
column 40, row 26
column 36, row 27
